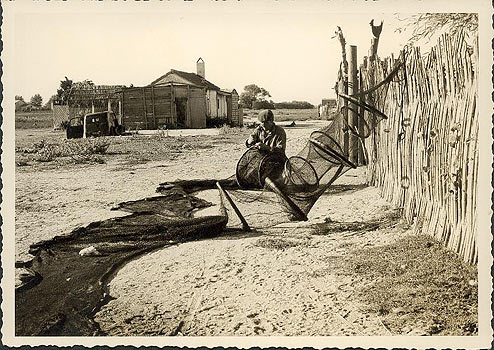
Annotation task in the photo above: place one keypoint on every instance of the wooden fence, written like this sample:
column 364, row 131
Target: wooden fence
column 424, row 157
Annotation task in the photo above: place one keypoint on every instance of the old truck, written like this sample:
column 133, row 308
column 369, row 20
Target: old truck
column 93, row 125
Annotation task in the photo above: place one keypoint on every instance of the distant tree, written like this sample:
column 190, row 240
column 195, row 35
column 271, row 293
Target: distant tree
column 263, row 104
column 253, row 93
column 294, row 105
column 19, row 98
column 425, row 25
column 37, row 100
column 68, row 85
column 47, row 105
column 63, row 92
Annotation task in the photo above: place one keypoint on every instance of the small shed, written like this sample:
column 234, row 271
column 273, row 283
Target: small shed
column 234, row 111
column 330, row 102
column 326, row 107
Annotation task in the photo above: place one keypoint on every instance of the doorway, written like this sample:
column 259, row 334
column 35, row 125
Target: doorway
column 181, row 107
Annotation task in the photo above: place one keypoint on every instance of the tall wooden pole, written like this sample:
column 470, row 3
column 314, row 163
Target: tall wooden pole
column 361, row 147
column 353, row 114
column 343, row 86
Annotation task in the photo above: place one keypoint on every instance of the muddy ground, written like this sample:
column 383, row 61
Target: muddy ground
column 314, row 278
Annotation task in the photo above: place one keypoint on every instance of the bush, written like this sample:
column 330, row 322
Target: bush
column 64, row 124
column 80, row 150
column 217, row 122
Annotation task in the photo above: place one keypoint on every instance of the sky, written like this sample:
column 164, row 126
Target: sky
column 288, row 50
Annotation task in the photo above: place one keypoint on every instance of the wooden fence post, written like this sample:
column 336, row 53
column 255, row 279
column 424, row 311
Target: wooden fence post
column 361, row 130
column 344, row 86
column 353, row 113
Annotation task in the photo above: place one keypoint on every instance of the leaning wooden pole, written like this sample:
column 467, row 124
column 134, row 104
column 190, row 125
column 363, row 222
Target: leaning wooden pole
column 222, row 204
column 245, row 225
column 296, row 211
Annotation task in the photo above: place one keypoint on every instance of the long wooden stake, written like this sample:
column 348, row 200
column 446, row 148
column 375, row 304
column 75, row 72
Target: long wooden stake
column 245, row 225
column 299, row 214
column 353, row 146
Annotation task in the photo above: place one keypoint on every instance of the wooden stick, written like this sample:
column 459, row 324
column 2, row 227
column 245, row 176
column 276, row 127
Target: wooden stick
column 222, row 205
column 299, row 214
column 245, row 225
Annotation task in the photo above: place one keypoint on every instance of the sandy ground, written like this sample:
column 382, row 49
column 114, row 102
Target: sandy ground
column 237, row 284
column 241, row 285
column 53, row 202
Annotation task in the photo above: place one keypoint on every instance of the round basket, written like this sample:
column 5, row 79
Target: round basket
column 255, row 165
column 299, row 175
column 246, row 173
column 271, row 166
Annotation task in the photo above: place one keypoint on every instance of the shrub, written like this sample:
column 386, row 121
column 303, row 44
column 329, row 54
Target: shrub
column 64, row 124
column 80, row 150
column 216, row 122
column 97, row 146
column 48, row 153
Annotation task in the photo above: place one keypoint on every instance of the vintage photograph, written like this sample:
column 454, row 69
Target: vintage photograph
column 254, row 170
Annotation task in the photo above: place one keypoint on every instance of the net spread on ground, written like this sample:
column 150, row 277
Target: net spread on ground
column 287, row 188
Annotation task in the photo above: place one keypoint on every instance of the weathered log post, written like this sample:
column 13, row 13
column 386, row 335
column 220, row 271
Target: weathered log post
column 353, row 114
column 376, row 32
column 344, row 86
column 361, row 120
column 371, row 79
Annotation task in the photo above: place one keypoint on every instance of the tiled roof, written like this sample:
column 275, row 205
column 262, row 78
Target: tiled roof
column 193, row 78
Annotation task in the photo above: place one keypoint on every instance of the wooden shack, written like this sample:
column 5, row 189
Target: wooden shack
column 165, row 106
column 184, row 86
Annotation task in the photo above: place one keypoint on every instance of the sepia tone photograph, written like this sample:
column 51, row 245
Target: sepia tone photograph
column 256, row 173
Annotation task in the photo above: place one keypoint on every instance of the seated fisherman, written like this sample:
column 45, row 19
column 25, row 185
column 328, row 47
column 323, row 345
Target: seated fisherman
column 268, row 136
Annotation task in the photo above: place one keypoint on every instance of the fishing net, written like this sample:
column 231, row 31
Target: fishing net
column 269, row 188
column 69, row 286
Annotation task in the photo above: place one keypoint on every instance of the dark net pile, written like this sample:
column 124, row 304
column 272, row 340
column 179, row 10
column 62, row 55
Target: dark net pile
column 67, row 289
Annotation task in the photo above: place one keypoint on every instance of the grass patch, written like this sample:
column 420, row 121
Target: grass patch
column 418, row 284
column 34, row 120
column 353, row 228
column 231, row 130
column 43, row 146
column 278, row 243
column 281, row 115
